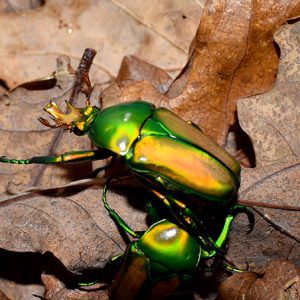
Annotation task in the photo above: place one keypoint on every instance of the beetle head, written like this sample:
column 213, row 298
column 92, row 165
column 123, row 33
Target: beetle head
column 78, row 120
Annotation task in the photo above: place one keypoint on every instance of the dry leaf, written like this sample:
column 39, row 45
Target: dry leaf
column 74, row 225
column 277, row 188
column 71, row 224
column 233, row 56
column 13, row 290
column 23, row 136
column 134, row 69
column 56, row 290
column 113, row 28
column 273, row 191
column 272, row 122
column 272, row 119
column 19, row 5
column 280, row 280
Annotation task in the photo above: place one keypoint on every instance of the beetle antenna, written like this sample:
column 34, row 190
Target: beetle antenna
column 45, row 122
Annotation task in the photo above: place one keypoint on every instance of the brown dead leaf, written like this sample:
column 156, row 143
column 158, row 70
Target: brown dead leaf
column 224, row 64
column 3, row 296
column 280, row 280
column 176, row 21
column 277, row 188
column 273, row 191
column 134, row 69
column 56, row 290
column 272, row 119
column 14, row 290
column 65, row 229
column 263, row 244
column 19, row 5
column 114, row 28
column 237, row 286
column 71, row 224
column 75, row 227
column 232, row 56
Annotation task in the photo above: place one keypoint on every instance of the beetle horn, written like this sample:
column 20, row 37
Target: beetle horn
column 61, row 119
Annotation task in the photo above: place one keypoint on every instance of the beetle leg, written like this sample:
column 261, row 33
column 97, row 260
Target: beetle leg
column 152, row 212
column 236, row 209
column 116, row 217
column 186, row 218
column 233, row 211
column 72, row 156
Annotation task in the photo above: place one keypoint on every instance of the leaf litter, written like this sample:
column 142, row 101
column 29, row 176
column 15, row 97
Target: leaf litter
column 43, row 228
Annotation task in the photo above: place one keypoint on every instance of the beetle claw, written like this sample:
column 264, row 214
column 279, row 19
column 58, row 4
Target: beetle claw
column 243, row 209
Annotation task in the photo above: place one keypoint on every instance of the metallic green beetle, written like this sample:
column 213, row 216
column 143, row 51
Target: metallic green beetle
column 162, row 261
column 157, row 264
column 172, row 157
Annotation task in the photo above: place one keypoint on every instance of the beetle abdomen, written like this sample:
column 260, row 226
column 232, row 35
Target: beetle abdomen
column 186, row 167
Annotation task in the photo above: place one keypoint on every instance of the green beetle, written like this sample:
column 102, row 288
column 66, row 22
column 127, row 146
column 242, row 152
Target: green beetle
column 157, row 264
column 172, row 157
column 163, row 261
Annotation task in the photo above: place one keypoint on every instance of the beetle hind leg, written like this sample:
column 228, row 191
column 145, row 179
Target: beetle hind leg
column 233, row 212
column 236, row 209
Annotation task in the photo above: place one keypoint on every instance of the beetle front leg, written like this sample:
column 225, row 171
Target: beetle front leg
column 72, row 156
column 116, row 217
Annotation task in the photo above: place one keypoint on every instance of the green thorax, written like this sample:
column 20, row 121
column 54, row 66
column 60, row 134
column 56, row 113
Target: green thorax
column 116, row 128
column 166, row 244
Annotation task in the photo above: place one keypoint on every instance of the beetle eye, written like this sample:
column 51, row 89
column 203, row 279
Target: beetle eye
column 76, row 130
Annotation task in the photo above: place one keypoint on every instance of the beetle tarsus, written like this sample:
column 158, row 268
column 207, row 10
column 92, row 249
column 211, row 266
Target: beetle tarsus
column 237, row 208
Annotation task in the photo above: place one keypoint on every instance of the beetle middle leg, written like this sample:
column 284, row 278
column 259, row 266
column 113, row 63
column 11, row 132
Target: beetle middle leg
column 117, row 218
column 188, row 219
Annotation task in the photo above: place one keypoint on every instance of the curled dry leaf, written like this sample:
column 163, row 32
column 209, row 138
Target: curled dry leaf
column 272, row 119
column 226, row 64
column 280, row 280
column 134, row 69
column 137, row 80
